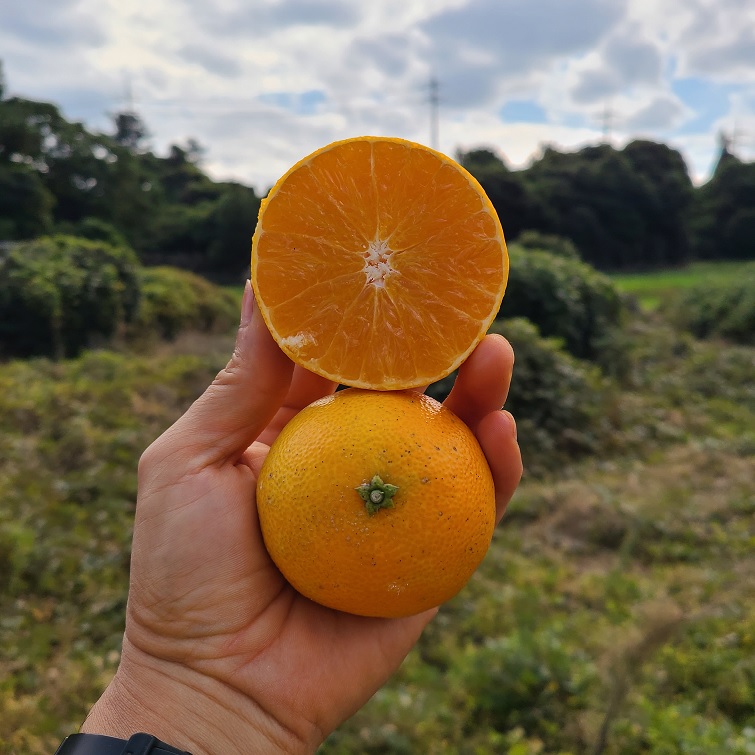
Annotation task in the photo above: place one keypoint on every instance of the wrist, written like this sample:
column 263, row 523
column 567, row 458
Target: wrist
column 185, row 709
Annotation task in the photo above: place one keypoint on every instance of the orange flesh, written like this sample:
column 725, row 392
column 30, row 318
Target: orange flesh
column 378, row 263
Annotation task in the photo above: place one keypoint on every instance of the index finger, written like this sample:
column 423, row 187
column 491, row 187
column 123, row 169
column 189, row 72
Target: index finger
column 242, row 400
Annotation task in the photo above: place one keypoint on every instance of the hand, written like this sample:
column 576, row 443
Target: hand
column 220, row 654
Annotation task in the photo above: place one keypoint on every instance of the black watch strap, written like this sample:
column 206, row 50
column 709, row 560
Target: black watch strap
column 97, row 744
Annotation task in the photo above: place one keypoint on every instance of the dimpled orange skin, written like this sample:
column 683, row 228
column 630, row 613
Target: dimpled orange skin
column 400, row 560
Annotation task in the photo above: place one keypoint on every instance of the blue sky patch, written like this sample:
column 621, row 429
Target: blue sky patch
column 522, row 111
column 709, row 102
column 300, row 103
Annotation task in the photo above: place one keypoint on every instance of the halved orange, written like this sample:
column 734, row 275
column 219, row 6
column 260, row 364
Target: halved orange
column 378, row 263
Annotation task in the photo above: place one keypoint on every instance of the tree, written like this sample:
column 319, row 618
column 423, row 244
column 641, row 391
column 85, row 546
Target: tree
column 481, row 161
column 25, row 204
column 667, row 179
column 721, row 215
column 26, row 128
column 195, row 152
column 130, row 130
column 89, row 175
column 738, row 237
column 607, row 203
column 507, row 191
column 233, row 222
column 181, row 176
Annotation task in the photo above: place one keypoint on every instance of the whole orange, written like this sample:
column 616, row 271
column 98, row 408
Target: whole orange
column 376, row 503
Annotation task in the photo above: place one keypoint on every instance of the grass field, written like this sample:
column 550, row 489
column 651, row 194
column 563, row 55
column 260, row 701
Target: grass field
column 613, row 615
column 652, row 288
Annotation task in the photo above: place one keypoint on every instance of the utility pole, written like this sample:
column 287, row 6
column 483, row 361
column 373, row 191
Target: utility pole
column 128, row 91
column 736, row 137
column 607, row 121
column 130, row 130
column 434, row 101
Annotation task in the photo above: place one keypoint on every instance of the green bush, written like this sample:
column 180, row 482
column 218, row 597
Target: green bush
column 724, row 309
column 721, row 681
column 567, row 299
column 530, row 679
column 564, row 407
column 673, row 729
column 58, row 294
column 547, row 242
column 174, row 300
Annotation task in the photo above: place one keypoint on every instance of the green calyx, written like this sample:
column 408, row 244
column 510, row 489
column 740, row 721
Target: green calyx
column 376, row 494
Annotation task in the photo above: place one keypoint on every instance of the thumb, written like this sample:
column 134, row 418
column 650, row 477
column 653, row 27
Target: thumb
column 223, row 422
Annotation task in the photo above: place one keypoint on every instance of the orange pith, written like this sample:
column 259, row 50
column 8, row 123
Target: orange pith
column 397, row 561
column 378, row 263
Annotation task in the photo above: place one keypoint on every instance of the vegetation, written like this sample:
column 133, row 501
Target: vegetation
column 622, row 209
column 650, row 289
column 70, row 435
column 58, row 177
column 62, row 294
column 613, row 614
column 175, row 301
column 565, row 407
column 58, row 294
column 633, row 208
column 610, row 616
column 566, row 298
column 722, row 308
column 723, row 214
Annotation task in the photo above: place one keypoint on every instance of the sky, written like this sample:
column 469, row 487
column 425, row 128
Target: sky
column 262, row 83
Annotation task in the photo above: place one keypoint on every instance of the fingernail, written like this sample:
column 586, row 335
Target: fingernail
column 512, row 422
column 247, row 305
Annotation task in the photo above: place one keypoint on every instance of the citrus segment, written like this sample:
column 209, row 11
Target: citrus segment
column 378, row 263
column 376, row 503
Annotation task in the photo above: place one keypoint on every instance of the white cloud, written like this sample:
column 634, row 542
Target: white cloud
column 261, row 84
column 661, row 113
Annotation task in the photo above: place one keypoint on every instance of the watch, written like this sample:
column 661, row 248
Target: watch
column 97, row 744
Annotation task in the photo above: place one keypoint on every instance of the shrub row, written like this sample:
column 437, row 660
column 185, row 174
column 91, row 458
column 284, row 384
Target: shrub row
column 62, row 294
column 58, row 294
column 174, row 300
column 724, row 309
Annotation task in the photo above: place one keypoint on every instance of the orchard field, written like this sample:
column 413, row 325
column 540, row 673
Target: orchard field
column 614, row 613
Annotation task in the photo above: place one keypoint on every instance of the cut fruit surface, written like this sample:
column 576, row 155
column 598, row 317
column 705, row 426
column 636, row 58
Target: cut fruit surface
column 378, row 263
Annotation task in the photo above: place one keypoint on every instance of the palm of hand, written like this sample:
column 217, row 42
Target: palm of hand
column 213, row 631
column 224, row 610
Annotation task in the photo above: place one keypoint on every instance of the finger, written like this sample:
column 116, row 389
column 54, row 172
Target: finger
column 222, row 423
column 483, row 380
column 496, row 433
column 306, row 387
